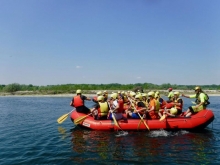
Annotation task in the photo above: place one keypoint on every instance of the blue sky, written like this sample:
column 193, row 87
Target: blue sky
column 49, row 42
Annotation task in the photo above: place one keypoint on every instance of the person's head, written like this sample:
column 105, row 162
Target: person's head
column 197, row 89
column 176, row 94
column 99, row 93
column 173, row 111
column 170, row 89
column 114, row 96
column 78, row 91
column 151, row 95
column 144, row 95
column 100, row 98
column 157, row 94
column 132, row 94
column 138, row 97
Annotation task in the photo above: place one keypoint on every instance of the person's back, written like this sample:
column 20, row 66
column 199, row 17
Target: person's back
column 78, row 102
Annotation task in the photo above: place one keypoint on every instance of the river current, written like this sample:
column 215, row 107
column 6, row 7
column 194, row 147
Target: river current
column 30, row 134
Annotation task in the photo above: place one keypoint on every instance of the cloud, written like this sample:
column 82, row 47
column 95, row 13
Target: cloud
column 138, row 77
column 78, row 67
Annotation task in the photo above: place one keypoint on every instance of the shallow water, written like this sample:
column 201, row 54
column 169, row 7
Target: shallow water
column 31, row 135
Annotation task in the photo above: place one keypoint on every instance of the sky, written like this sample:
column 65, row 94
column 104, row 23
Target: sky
column 52, row 42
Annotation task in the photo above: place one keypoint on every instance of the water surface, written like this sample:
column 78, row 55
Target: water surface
column 30, row 135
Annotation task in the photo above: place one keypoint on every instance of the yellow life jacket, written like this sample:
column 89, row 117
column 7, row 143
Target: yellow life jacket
column 103, row 110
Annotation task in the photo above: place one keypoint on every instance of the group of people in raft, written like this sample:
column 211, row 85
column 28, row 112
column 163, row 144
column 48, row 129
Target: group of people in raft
column 129, row 104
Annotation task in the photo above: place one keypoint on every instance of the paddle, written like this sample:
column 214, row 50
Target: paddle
column 114, row 119
column 80, row 119
column 164, row 115
column 142, row 120
column 64, row 117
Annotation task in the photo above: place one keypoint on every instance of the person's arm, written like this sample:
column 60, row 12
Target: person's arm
column 71, row 103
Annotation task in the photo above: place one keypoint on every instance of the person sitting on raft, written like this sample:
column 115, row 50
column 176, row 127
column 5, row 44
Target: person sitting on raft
column 105, row 94
column 177, row 103
column 139, row 108
column 171, row 112
column 154, row 106
column 78, row 102
column 201, row 101
column 101, row 109
column 170, row 95
column 95, row 97
column 117, row 107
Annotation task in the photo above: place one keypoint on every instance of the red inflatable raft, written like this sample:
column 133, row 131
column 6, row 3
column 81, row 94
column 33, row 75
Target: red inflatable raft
column 197, row 121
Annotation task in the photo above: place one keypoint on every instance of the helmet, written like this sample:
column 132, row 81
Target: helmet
column 170, row 89
column 100, row 98
column 157, row 93
column 176, row 93
column 151, row 94
column 197, row 88
column 173, row 111
column 114, row 95
column 132, row 93
column 123, row 92
column 105, row 92
column 99, row 93
column 78, row 91
column 139, row 96
column 144, row 95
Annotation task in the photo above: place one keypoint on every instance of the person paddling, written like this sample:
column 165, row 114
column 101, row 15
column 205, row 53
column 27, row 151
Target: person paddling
column 100, row 109
column 78, row 102
column 201, row 101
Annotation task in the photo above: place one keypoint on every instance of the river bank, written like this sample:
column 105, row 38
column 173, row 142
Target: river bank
column 93, row 93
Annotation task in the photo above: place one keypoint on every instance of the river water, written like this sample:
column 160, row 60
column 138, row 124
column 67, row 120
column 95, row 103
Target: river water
column 29, row 134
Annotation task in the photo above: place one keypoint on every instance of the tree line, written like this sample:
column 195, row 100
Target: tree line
column 71, row 88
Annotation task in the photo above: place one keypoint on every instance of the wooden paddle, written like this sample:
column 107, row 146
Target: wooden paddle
column 142, row 120
column 63, row 117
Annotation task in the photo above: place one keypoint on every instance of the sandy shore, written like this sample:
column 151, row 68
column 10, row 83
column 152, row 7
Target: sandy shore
column 71, row 95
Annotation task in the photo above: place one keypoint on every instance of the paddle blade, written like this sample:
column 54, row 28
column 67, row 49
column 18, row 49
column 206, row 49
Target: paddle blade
column 62, row 118
column 163, row 117
column 79, row 119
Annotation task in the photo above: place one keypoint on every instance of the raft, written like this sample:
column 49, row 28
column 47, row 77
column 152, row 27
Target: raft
column 197, row 121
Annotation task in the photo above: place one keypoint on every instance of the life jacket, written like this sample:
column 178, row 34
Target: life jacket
column 178, row 107
column 138, row 108
column 198, row 101
column 157, row 105
column 103, row 109
column 78, row 101
column 163, row 104
column 121, row 106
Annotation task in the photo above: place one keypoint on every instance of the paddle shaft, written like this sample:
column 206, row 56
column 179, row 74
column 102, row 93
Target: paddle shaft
column 140, row 115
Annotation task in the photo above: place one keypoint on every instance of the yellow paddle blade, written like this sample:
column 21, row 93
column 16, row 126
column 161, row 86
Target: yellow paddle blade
column 163, row 117
column 193, row 102
column 115, row 121
column 62, row 118
column 80, row 119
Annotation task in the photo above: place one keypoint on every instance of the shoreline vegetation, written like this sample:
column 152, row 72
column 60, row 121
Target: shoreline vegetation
column 69, row 90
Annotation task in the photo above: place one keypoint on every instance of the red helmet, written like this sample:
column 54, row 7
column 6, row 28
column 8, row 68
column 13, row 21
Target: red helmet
column 170, row 89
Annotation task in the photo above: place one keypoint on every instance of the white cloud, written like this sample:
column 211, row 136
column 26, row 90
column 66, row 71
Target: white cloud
column 138, row 77
column 78, row 67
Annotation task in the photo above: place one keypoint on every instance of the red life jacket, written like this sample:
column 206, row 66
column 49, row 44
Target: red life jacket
column 121, row 106
column 78, row 101
column 163, row 105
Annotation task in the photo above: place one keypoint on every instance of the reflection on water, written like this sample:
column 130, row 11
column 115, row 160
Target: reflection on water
column 152, row 147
